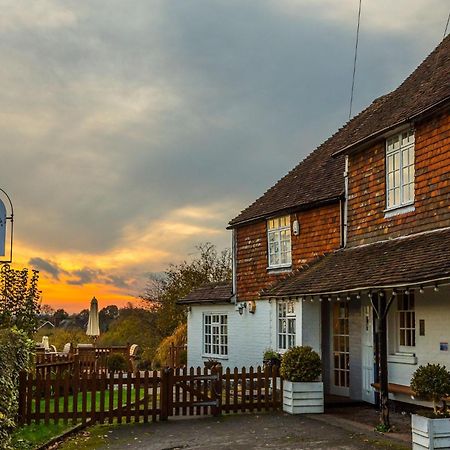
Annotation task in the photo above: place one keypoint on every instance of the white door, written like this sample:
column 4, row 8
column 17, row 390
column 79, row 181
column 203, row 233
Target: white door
column 367, row 354
column 340, row 350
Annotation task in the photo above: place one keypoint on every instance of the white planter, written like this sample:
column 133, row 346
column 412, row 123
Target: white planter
column 303, row 398
column 430, row 433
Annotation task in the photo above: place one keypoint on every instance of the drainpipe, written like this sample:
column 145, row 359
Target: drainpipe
column 345, row 205
column 234, row 262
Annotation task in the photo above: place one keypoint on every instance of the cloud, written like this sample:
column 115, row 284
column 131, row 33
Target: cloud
column 22, row 14
column 380, row 16
column 46, row 266
column 130, row 134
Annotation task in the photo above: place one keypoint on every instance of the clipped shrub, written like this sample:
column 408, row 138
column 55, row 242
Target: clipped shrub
column 271, row 358
column 16, row 352
column 432, row 383
column 301, row 364
column 116, row 363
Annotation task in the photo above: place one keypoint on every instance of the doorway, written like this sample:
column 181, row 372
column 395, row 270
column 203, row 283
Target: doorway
column 340, row 350
column 367, row 354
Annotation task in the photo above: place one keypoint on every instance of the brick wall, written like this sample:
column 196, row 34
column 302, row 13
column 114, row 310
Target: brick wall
column 367, row 199
column 319, row 233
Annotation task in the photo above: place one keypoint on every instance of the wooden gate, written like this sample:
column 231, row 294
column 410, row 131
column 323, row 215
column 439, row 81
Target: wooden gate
column 127, row 396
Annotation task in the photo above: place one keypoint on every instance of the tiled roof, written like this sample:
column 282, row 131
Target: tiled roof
column 209, row 293
column 319, row 177
column 419, row 258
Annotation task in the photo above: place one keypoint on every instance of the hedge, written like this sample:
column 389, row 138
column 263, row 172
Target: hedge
column 16, row 351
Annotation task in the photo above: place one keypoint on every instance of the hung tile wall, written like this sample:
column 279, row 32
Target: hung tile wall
column 319, row 234
column 367, row 184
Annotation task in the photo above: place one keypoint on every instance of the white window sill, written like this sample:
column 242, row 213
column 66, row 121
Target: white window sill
column 396, row 211
column 279, row 269
column 402, row 358
column 214, row 357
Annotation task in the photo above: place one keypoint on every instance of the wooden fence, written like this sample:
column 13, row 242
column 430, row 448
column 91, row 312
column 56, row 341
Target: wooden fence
column 86, row 359
column 177, row 353
column 146, row 396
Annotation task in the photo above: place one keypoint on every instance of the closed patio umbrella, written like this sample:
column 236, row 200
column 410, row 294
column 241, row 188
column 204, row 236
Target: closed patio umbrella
column 93, row 328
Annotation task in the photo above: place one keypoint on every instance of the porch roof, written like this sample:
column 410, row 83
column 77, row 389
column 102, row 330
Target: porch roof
column 406, row 261
column 209, row 293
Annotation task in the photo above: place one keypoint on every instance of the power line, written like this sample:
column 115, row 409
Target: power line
column 446, row 26
column 354, row 61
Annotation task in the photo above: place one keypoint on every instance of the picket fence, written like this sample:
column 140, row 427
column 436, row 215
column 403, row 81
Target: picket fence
column 102, row 397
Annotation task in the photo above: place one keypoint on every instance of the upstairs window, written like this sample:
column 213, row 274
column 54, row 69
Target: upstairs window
column 279, row 242
column 400, row 170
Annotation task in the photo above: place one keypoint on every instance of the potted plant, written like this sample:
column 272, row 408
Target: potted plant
column 301, row 369
column 431, row 429
column 271, row 358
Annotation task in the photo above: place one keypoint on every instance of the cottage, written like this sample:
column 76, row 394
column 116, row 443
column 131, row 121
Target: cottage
column 349, row 252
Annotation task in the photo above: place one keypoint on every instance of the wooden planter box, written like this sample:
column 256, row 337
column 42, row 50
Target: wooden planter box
column 303, row 398
column 430, row 433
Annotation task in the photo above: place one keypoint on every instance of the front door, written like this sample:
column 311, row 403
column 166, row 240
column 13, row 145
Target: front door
column 367, row 354
column 340, row 345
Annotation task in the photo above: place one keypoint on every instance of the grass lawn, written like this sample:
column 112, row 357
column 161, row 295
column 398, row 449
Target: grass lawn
column 89, row 401
column 32, row 436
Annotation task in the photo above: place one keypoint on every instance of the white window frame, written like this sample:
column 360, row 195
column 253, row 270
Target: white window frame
column 406, row 323
column 400, row 149
column 215, row 335
column 277, row 229
column 286, row 325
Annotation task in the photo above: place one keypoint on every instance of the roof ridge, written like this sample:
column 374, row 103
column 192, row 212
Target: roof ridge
column 420, row 91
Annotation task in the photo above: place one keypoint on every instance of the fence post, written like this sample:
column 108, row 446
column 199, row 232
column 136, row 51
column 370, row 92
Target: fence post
column 166, row 393
column 22, row 397
column 217, row 391
column 76, row 365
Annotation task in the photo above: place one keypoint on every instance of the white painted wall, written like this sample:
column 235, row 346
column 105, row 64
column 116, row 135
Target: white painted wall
column 434, row 308
column 249, row 335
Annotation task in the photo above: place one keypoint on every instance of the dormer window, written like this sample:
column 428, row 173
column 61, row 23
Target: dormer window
column 279, row 242
column 400, row 170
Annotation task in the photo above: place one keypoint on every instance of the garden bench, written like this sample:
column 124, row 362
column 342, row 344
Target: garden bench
column 394, row 388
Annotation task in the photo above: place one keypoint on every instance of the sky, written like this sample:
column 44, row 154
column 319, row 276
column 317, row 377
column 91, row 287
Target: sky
column 133, row 131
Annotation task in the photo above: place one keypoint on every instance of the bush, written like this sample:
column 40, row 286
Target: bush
column 116, row 362
column 301, row 364
column 432, row 382
column 16, row 351
column 271, row 358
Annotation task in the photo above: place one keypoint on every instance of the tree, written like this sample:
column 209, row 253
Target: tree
column 47, row 311
column 19, row 299
column 81, row 319
column 107, row 315
column 59, row 315
column 178, row 280
column 133, row 326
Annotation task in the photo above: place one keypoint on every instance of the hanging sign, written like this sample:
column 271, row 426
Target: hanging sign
column 2, row 228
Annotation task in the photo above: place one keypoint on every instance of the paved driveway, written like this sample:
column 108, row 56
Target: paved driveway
column 265, row 431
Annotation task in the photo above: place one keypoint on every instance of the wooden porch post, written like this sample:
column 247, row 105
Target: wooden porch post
column 383, row 377
column 381, row 307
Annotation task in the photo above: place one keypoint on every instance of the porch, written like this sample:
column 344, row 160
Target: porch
column 383, row 312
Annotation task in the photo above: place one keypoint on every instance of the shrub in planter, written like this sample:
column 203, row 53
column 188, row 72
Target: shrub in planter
column 432, row 383
column 116, row 362
column 301, row 368
column 271, row 358
column 301, row 364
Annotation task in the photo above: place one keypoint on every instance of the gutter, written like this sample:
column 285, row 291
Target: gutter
column 443, row 280
column 384, row 130
column 288, row 210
